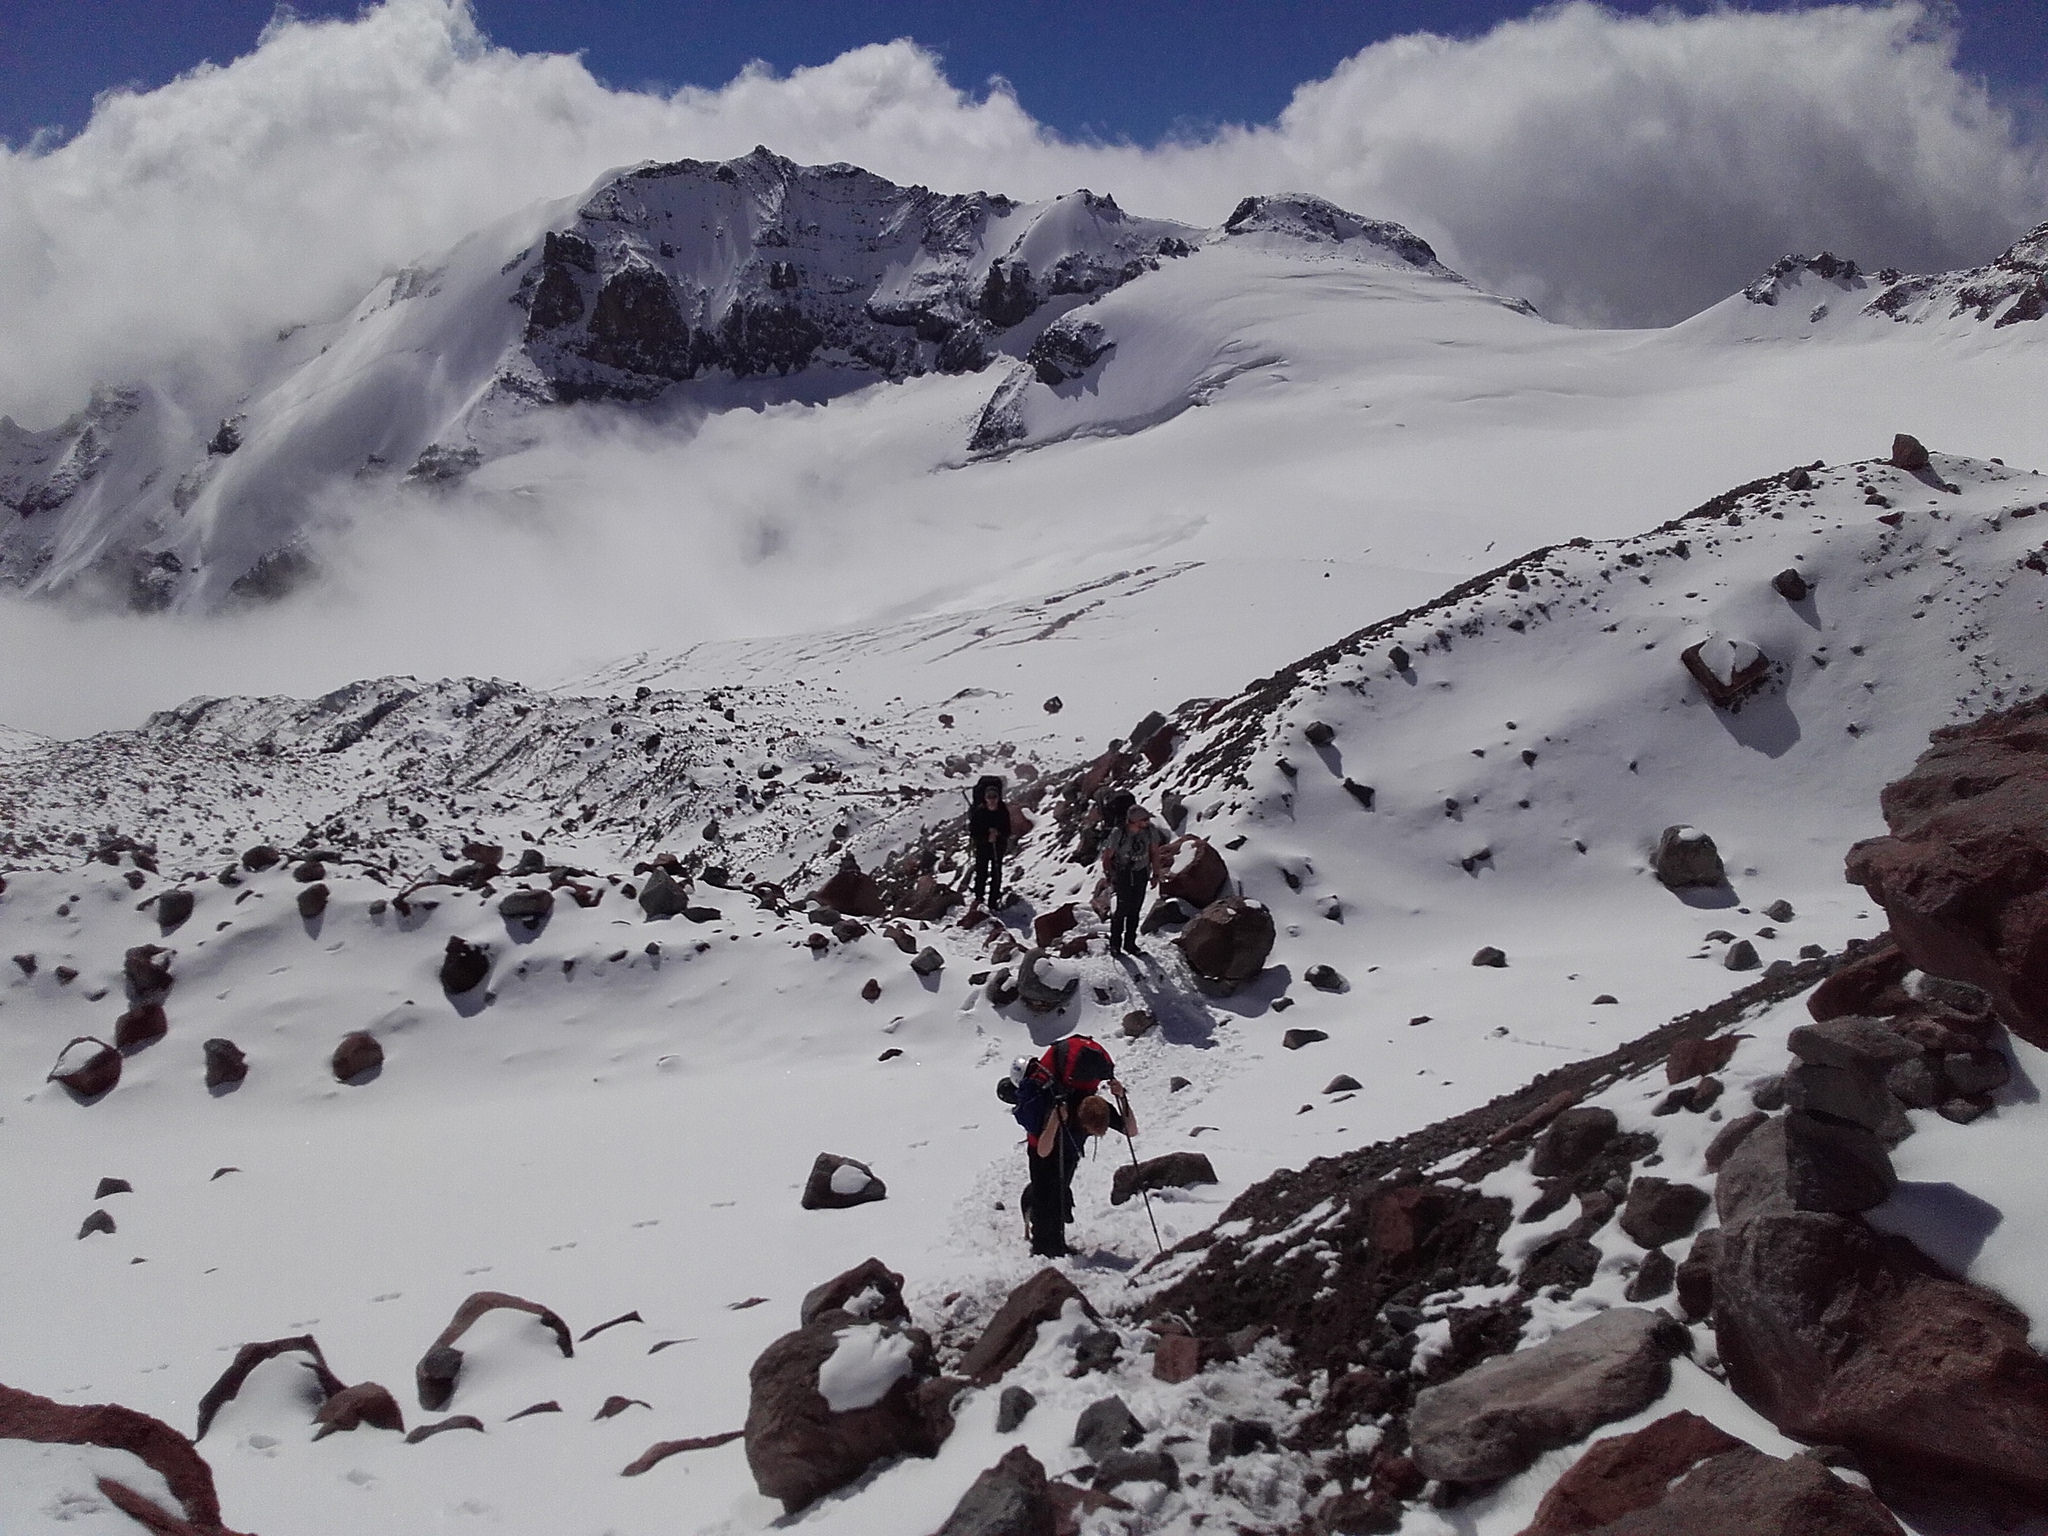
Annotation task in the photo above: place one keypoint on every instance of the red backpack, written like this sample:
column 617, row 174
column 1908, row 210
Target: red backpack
column 1077, row 1064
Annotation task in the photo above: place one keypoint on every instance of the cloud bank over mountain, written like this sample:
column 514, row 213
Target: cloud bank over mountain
column 1613, row 169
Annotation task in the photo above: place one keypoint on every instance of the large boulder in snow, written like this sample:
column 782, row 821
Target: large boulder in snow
column 146, row 969
column 87, row 1066
column 1743, row 1490
column 463, row 966
column 1011, row 1498
column 1174, row 1170
column 1845, row 1337
column 1686, row 856
column 852, row 891
column 358, row 1053
column 1498, row 1417
column 40, row 1421
column 837, row 1182
column 1625, row 1473
column 1195, row 871
column 225, row 1063
column 1014, row 1329
column 833, row 1398
column 1963, row 875
column 1727, row 669
column 1043, row 984
column 1228, row 942
column 662, row 894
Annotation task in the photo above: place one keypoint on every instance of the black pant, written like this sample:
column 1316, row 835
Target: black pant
column 1130, row 901
column 1049, row 1198
column 988, row 873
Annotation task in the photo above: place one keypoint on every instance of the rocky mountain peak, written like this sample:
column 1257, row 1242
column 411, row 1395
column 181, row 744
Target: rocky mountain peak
column 1301, row 216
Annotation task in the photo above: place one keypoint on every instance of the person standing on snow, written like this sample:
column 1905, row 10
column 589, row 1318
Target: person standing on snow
column 1130, row 858
column 1056, row 1102
column 988, row 828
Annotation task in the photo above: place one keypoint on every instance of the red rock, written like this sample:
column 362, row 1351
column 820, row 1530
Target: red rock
column 1868, row 985
column 438, row 1368
column 871, row 1290
column 1204, row 876
column 87, row 1073
column 852, row 892
column 1011, row 1332
column 40, row 1421
column 351, row 1407
column 1176, row 1357
column 1844, row 1337
column 247, row 1358
column 1725, row 695
column 1963, row 876
column 1696, row 1058
column 1056, row 924
column 800, row 1449
column 1744, row 1491
column 144, row 1024
column 1627, row 1472
column 1228, row 942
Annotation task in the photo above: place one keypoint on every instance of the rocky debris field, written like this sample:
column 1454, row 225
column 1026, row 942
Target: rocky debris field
column 455, row 1058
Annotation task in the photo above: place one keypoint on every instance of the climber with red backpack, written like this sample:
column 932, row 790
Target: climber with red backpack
column 1055, row 1099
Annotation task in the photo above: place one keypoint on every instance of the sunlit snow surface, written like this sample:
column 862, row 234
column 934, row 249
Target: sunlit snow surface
column 1329, row 443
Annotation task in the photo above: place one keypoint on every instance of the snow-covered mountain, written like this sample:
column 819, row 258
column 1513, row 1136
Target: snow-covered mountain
column 705, row 286
column 1828, row 294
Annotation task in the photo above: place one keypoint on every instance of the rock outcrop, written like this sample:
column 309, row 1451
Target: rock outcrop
column 1963, row 875
column 1498, row 1417
column 441, row 1366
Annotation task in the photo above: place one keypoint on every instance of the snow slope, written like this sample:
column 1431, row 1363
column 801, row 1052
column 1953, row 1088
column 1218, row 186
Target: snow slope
column 621, row 1118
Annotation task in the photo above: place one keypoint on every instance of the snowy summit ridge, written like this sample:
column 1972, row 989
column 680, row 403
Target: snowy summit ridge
column 705, row 285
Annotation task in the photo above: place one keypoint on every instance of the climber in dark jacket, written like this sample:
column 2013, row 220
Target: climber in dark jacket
column 988, row 828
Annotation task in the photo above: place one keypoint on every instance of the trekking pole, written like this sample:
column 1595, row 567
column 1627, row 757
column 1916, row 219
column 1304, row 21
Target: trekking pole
column 1143, row 1194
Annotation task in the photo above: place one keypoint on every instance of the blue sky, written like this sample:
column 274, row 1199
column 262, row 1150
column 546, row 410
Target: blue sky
column 1135, row 69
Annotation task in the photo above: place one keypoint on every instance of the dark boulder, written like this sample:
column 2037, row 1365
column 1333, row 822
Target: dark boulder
column 838, row 1182
column 1228, row 942
column 313, row 900
column 1011, row 1498
column 1039, row 993
column 1963, row 875
column 88, row 1067
column 1658, row 1211
column 852, row 891
column 1686, row 856
column 142, row 1025
column 1196, row 874
column 1831, row 1166
column 1846, row 1098
column 225, row 1063
column 1726, row 669
column 1013, row 1408
column 1744, row 1491
column 531, row 906
column 463, row 966
column 1908, row 452
column 1105, row 1426
column 173, row 908
column 1626, row 1473
column 1175, row 1170
column 146, row 970
column 1498, row 1417
column 1845, row 1337
column 813, row 1428
column 1012, row 1331
column 1573, row 1140
column 1791, row 585
column 662, row 895
column 1488, row 955
column 358, row 1053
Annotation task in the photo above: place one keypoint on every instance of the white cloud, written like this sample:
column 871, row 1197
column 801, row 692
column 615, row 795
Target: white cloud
column 1611, row 168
